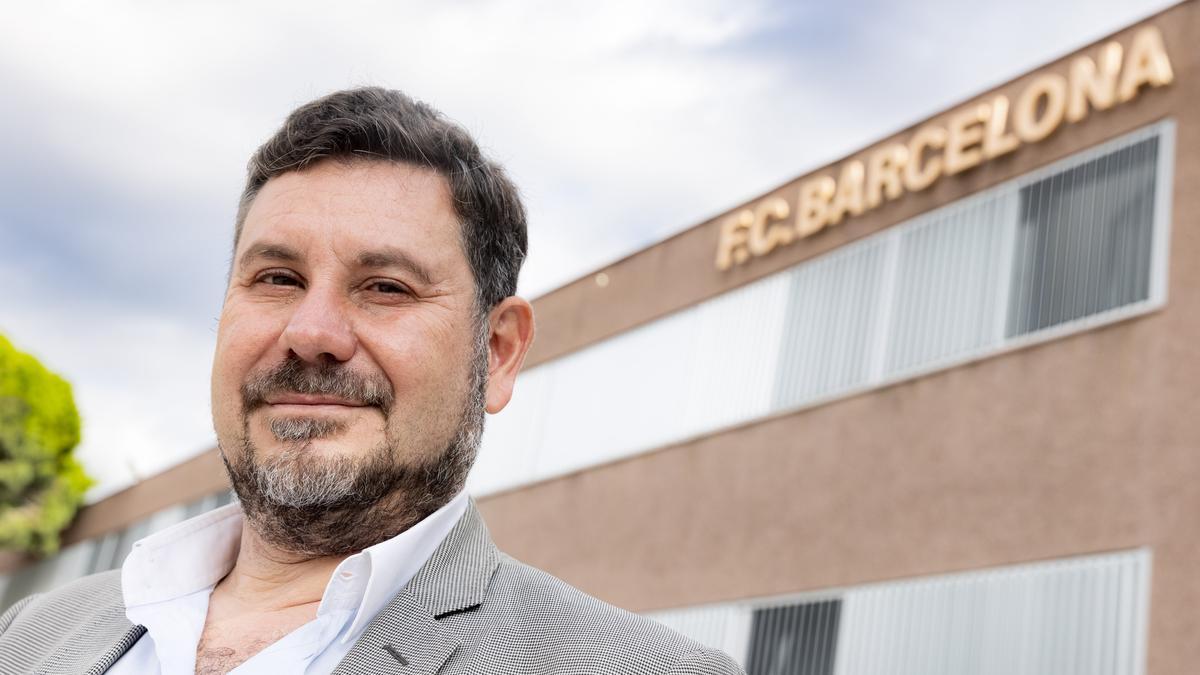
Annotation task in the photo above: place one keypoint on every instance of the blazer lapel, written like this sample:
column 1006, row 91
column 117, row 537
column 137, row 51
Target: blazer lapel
column 407, row 638
column 101, row 628
column 117, row 649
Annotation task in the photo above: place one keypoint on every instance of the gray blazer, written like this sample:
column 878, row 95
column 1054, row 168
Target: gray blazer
column 470, row 609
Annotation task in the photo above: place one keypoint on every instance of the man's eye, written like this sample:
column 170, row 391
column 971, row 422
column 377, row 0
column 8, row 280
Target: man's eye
column 279, row 279
column 387, row 287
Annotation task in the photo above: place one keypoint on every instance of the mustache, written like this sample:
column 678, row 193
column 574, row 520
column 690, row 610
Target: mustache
column 295, row 376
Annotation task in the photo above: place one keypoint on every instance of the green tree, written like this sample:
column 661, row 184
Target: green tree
column 41, row 482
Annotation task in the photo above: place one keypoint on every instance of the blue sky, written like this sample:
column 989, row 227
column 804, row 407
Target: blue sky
column 126, row 127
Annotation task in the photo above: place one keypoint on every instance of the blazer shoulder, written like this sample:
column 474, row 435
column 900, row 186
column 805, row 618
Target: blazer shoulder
column 707, row 662
column 88, row 608
column 11, row 613
column 86, row 594
column 558, row 625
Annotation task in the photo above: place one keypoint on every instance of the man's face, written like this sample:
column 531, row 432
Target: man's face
column 348, row 333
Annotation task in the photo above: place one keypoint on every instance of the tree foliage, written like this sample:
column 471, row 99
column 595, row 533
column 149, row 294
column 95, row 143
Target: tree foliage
column 41, row 483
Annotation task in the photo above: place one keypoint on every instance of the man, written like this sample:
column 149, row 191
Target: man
column 369, row 322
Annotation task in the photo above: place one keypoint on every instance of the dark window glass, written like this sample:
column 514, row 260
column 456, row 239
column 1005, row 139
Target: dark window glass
column 1083, row 241
column 795, row 639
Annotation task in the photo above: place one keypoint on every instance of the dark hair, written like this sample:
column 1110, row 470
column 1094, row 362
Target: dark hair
column 384, row 124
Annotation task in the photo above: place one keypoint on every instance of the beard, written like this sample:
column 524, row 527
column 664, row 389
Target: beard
column 310, row 505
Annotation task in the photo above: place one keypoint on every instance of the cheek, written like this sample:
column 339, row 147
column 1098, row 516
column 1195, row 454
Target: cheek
column 240, row 345
column 430, row 368
column 226, row 403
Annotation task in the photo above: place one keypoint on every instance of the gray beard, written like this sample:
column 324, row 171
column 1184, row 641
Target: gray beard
column 324, row 506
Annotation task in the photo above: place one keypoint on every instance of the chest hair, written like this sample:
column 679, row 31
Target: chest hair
column 221, row 651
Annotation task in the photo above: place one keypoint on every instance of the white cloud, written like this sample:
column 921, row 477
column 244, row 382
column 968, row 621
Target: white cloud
column 140, row 383
column 623, row 122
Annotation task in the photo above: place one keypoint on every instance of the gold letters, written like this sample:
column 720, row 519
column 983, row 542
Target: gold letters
column 965, row 133
column 920, row 173
column 1147, row 64
column 765, row 230
column 849, row 195
column 1099, row 88
column 731, row 247
column 883, row 174
column 958, row 142
column 814, row 205
column 754, row 232
column 997, row 141
column 1034, row 121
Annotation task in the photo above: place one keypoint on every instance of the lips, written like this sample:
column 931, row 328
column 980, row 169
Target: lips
column 313, row 400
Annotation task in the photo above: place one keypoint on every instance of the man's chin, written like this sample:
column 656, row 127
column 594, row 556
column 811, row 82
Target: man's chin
column 292, row 429
column 339, row 442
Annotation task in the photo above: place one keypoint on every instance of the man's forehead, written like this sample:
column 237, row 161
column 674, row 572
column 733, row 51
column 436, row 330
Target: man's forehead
column 372, row 212
column 383, row 186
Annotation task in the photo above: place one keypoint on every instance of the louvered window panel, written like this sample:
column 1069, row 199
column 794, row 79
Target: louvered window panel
column 1084, row 239
column 798, row 639
column 1068, row 247
column 724, row 627
column 1075, row 616
column 829, row 325
column 946, row 288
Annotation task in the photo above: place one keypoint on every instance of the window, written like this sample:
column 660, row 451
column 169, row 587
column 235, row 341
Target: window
column 1083, row 242
column 794, row 639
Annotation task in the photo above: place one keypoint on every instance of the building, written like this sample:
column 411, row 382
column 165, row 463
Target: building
column 930, row 409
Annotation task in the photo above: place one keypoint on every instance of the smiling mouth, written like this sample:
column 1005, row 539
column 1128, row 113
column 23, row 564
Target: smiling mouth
column 312, row 401
column 311, row 409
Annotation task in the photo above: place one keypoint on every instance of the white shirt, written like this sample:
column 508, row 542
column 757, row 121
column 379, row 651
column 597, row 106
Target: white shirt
column 167, row 579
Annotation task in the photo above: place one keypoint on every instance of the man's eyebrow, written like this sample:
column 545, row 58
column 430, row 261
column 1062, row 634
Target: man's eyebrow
column 280, row 252
column 392, row 257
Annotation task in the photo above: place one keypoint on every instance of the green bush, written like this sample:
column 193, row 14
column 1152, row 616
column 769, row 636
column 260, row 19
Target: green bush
column 41, row 483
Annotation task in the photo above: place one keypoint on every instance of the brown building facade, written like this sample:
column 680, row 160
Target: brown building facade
column 934, row 408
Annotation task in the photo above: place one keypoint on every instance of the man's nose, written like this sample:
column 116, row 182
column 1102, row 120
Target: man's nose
column 319, row 328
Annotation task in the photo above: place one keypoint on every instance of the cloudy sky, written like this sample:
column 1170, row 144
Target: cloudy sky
column 125, row 127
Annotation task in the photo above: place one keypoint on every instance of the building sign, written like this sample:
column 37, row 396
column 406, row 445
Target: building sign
column 966, row 138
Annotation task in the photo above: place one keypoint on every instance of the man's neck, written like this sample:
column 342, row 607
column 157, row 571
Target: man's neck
column 268, row 594
column 266, row 579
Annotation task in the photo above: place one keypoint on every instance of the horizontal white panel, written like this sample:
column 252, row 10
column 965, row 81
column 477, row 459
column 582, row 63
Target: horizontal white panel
column 1075, row 616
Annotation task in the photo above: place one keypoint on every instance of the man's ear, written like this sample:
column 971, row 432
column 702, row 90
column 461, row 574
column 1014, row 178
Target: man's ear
column 511, row 333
